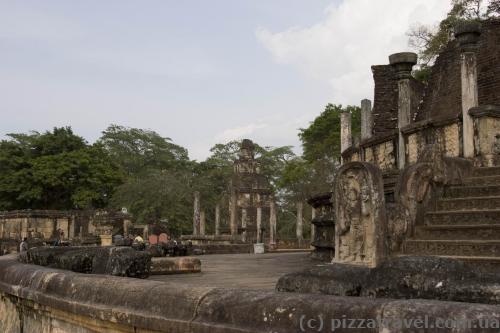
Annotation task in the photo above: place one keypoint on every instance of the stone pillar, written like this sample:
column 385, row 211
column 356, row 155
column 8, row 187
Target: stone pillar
column 196, row 214
column 202, row 223
column 403, row 64
column 313, row 227
column 467, row 35
column 232, row 214
column 272, row 223
column 259, row 224
column 217, row 219
column 366, row 119
column 300, row 221
column 244, row 224
column 345, row 131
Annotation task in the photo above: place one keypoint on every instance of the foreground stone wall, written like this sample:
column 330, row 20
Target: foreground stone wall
column 37, row 299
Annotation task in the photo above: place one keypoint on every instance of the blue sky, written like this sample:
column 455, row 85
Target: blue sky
column 200, row 72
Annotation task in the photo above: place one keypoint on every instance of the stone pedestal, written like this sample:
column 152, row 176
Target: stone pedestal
column 106, row 240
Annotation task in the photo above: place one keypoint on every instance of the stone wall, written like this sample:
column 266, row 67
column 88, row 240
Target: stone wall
column 382, row 154
column 446, row 135
column 53, row 301
column 488, row 60
column 385, row 106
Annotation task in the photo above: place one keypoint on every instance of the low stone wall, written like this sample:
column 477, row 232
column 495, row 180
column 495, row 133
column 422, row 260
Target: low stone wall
column 37, row 299
column 446, row 133
column 381, row 151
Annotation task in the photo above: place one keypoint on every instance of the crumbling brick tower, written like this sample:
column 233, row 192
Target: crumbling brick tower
column 250, row 199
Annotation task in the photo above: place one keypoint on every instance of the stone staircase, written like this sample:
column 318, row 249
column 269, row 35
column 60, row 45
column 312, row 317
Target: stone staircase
column 465, row 223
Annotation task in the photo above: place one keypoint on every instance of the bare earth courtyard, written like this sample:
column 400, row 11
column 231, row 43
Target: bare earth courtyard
column 248, row 271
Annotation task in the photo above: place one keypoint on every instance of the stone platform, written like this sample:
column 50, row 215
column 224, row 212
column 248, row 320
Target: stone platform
column 251, row 271
column 175, row 265
column 39, row 299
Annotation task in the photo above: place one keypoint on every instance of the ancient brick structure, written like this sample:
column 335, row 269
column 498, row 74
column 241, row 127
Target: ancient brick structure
column 78, row 227
column 252, row 212
column 438, row 150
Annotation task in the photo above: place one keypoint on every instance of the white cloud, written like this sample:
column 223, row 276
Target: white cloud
column 352, row 36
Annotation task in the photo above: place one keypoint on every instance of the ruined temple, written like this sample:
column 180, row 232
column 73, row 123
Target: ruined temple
column 251, row 197
column 425, row 177
column 252, row 211
column 77, row 226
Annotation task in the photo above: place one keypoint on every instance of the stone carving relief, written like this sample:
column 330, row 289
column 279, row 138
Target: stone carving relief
column 361, row 219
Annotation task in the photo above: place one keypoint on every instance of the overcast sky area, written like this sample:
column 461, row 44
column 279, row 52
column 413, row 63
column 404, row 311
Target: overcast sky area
column 200, row 72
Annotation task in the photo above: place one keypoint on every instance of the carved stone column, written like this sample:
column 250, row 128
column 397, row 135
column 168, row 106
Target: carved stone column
column 403, row 64
column 345, row 131
column 467, row 34
column 366, row 119
column 233, row 213
column 217, row 219
column 313, row 227
column 196, row 214
column 244, row 224
column 202, row 223
column 300, row 221
column 272, row 223
column 259, row 224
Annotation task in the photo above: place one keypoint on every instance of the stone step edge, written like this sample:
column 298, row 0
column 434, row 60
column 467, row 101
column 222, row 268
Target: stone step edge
column 467, row 258
column 465, row 211
column 453, row 241
column 448, row 199
column 459, row 226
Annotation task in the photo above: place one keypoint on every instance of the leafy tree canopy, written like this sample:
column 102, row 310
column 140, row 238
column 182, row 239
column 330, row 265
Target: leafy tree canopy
column 55, row 170
column 322, row 138
column 138, row 150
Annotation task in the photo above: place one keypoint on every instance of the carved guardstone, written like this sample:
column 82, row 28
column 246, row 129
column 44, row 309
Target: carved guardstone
column 360, row 234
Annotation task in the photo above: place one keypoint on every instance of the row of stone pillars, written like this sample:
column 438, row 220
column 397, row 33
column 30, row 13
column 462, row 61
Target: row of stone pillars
column 467, row 35
column 199, row 221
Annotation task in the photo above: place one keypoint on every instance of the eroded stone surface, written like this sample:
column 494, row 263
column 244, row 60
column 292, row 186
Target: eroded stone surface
column 400, row 278
column 180, row 265
column 118, row 261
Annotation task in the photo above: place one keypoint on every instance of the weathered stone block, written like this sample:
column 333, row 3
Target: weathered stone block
column 399, row 278
column 118, row 261
column 178, row 265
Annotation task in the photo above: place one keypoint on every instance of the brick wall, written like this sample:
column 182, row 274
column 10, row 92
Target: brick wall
column 385, row 104
column 489, row 64
column 442, row 96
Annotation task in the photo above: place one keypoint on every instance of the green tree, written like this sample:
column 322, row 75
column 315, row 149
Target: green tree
column 430, row 41
column 138, row 150
column 322, row 138
column 55, row 170
column 159, row 196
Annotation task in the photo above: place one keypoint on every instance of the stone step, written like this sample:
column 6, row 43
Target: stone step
column 468, row 203
column 462, row 248
column 482, row 180
column 463, row 217
column 482, row 263
column 458, row 232
column 471, row 191
column 487, row 171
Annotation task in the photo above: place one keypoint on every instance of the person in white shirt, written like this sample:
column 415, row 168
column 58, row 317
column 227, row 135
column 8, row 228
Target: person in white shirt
column 23, row 247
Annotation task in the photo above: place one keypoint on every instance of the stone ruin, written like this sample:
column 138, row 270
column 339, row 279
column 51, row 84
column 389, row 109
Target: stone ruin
column 421, row 189
column 93, row 227
column 252, row 210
